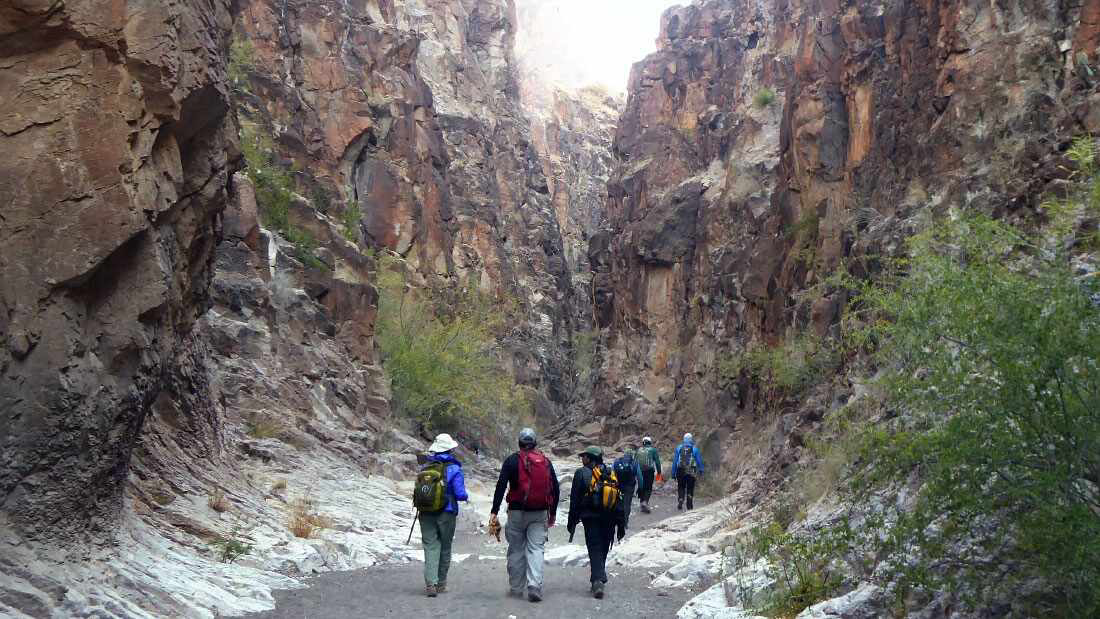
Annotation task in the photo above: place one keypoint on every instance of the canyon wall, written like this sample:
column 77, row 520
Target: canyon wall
column 117, row 133
column 767, row 144
column 412, row 113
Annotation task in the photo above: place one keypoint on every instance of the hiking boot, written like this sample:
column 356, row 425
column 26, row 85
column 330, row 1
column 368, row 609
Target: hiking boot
column 534, row 595
column 679, row 507
column 597, row 590
column 515, row 594
column 430, row 590
column 441, row 587
column 645, row 508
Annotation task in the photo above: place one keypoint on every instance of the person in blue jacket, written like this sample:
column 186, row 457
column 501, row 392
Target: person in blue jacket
column 687, row 466
column 437, row 530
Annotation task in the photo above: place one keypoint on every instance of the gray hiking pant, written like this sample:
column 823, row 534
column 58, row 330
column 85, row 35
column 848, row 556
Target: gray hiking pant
column 437, row 531
column 526, row 534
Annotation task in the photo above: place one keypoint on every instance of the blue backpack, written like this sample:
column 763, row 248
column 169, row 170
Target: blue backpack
column 624, row 470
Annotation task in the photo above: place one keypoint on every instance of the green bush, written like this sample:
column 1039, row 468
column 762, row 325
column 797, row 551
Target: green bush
column 992, row 344
column 274, row 194
column 349, row 220
column 441, row 351
column 230, row 549
column 784, row 370
column 241, row 61
column 763, row 98
column 800, row 564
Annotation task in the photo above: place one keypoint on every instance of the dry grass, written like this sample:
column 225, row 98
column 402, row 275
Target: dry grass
column 264, row 427
column 218, row 502
column 279, row 485
column 304, row 521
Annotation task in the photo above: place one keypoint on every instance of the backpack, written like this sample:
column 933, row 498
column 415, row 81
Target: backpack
column 429, row 493
column 624, row 470
column 603, row 490
column 645, row 458
column 688, row 466
column 535, row 489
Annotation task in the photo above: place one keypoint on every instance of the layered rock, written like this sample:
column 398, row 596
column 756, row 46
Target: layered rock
column 412, row 112
column 117, row 133
column 766, row 144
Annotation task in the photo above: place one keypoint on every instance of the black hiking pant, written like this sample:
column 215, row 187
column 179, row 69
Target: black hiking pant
column 685, row 488
column 628, row 500
column 645, row 490
column 598, row 533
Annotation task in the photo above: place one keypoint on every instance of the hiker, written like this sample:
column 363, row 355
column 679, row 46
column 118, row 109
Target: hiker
column 687, row 465
column 629, row 473
column 439, row 487
column 594, row 501
column 532, row 508
column 649, row 462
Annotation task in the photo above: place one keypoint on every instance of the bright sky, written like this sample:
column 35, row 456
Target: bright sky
column 580, row 42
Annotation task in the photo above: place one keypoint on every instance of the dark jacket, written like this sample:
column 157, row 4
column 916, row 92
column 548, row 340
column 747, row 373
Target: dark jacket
column 580, row 507
column 454, row 482
column 509, row 475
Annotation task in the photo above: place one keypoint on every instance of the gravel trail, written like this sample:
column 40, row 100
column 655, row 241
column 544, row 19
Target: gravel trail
column 477, row 585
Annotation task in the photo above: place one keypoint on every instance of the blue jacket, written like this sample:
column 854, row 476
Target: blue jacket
column 454, row 483
column 695, row 454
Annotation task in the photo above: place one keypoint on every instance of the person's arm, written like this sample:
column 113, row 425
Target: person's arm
column 637, row 472
column 458, row 485
column 510, row 464
column 555, row 490
column 576, row 494
column 657, row 460
column 675, row 462
column 699, row 460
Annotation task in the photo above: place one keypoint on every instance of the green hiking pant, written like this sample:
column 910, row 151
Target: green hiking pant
column 437, row 531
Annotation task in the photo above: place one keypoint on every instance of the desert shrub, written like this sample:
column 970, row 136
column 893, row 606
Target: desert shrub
column 241, row 61
column 304, row 521
column 349, row 221
column 763, row 98
column 801, row 565
column 992, row 346
column 230, row 549
column 274, row 194
column 441, row 350
column 1073, row 217
column 784, row 370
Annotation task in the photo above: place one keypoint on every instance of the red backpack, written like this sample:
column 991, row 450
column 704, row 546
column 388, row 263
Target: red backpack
column 534, row 490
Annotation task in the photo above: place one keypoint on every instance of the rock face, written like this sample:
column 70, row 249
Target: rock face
column 767, row 143
column 115, row 124
column 412, row 112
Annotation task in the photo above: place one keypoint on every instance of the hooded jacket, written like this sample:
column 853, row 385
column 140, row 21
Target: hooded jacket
column 454, row 483
column 684, row 447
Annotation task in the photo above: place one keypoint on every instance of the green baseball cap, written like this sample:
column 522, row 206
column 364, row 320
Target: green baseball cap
column 593, row 451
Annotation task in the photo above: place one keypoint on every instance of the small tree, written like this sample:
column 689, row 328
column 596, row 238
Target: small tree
column 441, row 351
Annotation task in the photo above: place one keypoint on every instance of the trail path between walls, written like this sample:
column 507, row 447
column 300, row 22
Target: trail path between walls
column 478, row 580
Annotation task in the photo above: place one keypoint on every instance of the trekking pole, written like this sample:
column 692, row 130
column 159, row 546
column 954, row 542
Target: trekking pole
column 415, row 516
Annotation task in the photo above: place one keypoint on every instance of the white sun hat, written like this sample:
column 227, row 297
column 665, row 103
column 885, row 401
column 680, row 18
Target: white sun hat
column 442, row 443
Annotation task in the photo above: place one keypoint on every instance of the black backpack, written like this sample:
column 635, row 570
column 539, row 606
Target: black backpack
column 624, row 470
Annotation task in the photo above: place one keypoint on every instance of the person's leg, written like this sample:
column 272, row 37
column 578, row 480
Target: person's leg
column 681, row 483
column 628, row 500
column 429, row 535
column 447, row 523
column 690, row 491
column 598, row 542
column 517, row 550
column 536, row 544
column 646, row 489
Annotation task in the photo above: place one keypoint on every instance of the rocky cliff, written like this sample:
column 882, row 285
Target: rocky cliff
column 767, row 144
column 117, row 130
column 411, row 114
